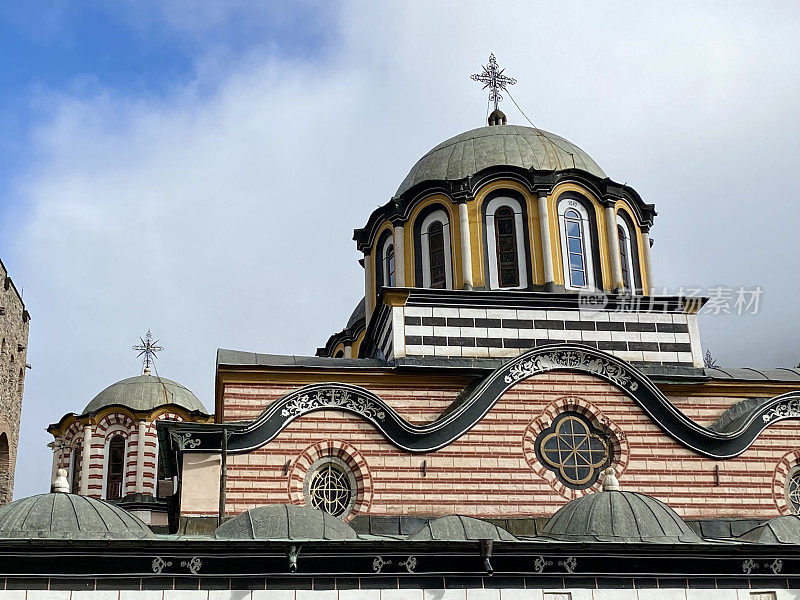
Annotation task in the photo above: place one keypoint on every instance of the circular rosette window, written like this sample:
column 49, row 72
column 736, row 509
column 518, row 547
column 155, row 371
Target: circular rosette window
column 574, row 450
column 330, row 486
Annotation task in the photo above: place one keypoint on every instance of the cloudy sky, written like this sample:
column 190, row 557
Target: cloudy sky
column 197, row 167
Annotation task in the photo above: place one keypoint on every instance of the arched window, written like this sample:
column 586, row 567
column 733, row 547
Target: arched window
column 626, row 255
column 435, row 251
column 505, row 235
column 436, row 255
column 75, row 471
column 505, row 244
column 5, row 470
column 388, row 265
column 576, row 249
column 576, row 244
column 339, row 354
column 116, row 468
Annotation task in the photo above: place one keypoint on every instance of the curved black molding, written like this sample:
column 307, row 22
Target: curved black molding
column 446, row 429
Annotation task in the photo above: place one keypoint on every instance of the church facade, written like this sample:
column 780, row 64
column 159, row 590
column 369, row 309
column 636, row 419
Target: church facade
column 511, row 411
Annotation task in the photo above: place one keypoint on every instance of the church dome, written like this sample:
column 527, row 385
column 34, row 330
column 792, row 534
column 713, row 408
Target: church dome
column 285, row 522
column 144, row 393
column 498, row 145
column 60, row 515
column 618, row 516
column 460, row 528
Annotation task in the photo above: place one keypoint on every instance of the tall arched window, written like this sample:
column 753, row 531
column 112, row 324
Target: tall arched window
column 576, row 249
column 5, row 469
column 388, row 265
column 626, row 255
column 75, row 471
column 436, row 255
column 506, row 247
column 116, row 468
column 576, row 245
column 506, row 261
column 434, row 246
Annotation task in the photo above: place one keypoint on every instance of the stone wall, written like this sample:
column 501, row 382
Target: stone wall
column 493, row 470
column 13, row 355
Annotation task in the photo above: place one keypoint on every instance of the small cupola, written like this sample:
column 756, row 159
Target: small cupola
column 617, row 516
column 497, row 117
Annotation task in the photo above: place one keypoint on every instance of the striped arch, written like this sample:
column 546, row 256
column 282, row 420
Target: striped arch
column 344, row 452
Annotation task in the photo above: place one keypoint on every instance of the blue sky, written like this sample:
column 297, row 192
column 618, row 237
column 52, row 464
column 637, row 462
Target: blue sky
column 197, row 167
column 144, row 49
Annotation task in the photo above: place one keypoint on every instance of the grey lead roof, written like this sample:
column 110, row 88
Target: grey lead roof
column 749, row 374
column 144, row 393
column 461, row 528
column 506, row 145
column 68, row 516
column 614, row 516
column 285, row 522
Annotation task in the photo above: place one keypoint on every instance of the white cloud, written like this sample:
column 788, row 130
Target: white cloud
column 223, row 218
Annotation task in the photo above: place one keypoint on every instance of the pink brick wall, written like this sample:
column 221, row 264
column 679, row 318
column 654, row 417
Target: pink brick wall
column 492, row 470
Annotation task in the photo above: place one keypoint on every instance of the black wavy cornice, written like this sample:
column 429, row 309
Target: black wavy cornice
column 398, row 209
column 721, row 442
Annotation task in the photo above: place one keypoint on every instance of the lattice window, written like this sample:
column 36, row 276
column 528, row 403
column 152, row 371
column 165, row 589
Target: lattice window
column 793, row 490
column 574, row 450
column 330, row 489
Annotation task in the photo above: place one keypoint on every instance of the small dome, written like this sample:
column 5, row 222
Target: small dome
column 616, row 516
column 459, row 528
column 69, row 516
column 145, row 393
column 780, row 530
column 357, row 315
column 285, row 522
column 498, row 145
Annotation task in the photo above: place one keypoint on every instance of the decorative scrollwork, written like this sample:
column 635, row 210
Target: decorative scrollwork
column 159, row 564
column 569, row 564
column 749, row 565
column 572, row 359
column 787, row 408
column 410, row 564
column 185, row 440
column 378, row 563
column 333, row 398
column 540, row 563
column 193, row 565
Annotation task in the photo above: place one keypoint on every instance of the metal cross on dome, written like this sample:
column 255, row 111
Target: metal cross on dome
column 148, row 349
column 493, row 78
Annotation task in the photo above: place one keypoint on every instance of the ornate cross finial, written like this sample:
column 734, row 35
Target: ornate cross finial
column 493, row 78
column 148, row 349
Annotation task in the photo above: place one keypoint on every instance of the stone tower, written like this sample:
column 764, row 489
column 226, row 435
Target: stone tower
column 13, row 352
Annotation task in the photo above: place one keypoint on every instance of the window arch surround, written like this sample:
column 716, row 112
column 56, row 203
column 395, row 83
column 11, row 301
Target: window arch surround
column 424, row 225
column 584, row 208
column 493, row 207
column 630, row 253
